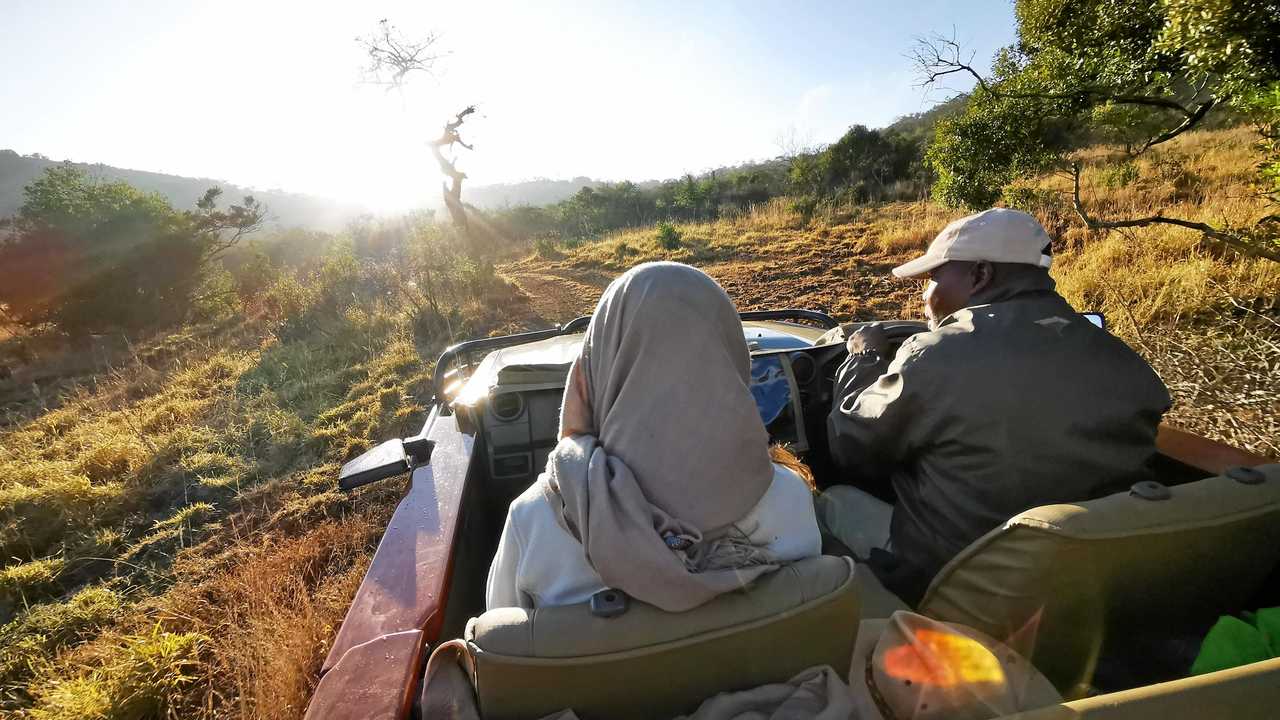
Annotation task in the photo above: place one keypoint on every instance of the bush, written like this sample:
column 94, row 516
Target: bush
column 804, row 206
column 545, row 247
column 1122, row 175
column 668, row 236
column 1028, row 199
column 90, row 256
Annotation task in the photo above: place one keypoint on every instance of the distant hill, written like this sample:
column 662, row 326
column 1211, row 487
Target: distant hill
column 536, row 192
column 285, row 209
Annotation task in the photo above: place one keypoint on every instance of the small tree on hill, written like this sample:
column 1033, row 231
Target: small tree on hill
column 91, row 256
column 1133, row 71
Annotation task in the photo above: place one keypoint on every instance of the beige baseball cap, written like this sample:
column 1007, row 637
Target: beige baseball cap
column 911, row 667
column 995, row 235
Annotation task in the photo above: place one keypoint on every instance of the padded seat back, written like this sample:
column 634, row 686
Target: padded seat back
column 649, row 663
column 1064, row 583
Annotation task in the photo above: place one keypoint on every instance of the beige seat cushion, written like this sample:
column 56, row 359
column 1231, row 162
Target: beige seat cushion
column 1063, row 582
column 651, row 663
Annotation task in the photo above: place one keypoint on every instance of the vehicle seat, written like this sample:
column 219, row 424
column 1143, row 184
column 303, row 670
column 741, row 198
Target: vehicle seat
column 649, row 663
column 1070, row 584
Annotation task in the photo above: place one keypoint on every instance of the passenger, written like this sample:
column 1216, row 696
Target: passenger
column 662, row 484
column 1012, row 400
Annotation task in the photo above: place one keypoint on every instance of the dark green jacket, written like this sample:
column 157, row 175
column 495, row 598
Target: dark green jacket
column 1004, row 407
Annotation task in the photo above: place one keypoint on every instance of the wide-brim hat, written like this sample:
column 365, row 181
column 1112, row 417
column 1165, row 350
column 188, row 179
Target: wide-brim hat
column 910, row 667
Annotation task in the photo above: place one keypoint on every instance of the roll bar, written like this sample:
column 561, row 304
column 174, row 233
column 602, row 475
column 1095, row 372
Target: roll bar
column 826, row 321
column 453, row 352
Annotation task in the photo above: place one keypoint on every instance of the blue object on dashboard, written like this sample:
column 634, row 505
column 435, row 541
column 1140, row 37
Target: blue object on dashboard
column 769, row 387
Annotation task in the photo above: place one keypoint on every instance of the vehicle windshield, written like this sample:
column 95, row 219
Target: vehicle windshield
column 769, row 338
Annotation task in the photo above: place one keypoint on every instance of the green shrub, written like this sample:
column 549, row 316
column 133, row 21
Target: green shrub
column 545, row 247
column 1122, row 175
column 668, row 236
column 1027, row 199
column 804, row 206
column 92, row 256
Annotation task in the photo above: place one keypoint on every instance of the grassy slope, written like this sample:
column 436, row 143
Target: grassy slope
column 176, row 543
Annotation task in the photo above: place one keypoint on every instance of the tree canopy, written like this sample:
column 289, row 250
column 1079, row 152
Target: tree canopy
column 1132, row 72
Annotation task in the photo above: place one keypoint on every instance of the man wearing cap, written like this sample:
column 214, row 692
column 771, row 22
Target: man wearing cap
column 1010, row 401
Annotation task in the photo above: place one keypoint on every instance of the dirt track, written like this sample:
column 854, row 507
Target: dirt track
column 821, row 273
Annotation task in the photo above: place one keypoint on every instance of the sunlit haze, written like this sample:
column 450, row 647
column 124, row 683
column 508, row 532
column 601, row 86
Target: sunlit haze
column 269, row 95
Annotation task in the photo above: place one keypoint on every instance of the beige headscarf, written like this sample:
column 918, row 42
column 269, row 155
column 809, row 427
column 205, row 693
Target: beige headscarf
column 662, row 446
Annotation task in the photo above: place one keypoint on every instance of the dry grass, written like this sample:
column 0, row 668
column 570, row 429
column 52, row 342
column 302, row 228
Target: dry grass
column 174, row 544
column 1205, row 318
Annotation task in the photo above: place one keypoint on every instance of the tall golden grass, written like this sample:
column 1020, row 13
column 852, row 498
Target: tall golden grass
column 178, row 547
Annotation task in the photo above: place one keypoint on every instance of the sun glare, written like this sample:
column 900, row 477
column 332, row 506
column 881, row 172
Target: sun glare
column 943, row 660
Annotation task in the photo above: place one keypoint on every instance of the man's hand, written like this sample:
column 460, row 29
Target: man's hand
column 867, row 339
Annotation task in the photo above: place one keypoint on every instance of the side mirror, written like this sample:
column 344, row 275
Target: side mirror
column 389, row 459
column 1096, row 318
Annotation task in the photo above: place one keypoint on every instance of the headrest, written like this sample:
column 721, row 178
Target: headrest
column 1213, row 501
column 573, row 631
column 1069, row 580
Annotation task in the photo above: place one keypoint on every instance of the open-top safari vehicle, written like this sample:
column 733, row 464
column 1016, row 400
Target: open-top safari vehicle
column 1111, row 596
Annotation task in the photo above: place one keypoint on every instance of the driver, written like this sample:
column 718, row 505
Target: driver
column 1011, row 400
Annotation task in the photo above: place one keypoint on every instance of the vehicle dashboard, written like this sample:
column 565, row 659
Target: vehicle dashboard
column 792, row 379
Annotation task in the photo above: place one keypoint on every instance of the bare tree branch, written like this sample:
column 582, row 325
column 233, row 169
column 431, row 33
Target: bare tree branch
column 1187, row 123
column 1223, row 237
column 392, row 57
column 940, row 56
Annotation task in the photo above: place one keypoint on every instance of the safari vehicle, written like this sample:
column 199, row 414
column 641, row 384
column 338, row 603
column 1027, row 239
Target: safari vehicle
column 1114, row 593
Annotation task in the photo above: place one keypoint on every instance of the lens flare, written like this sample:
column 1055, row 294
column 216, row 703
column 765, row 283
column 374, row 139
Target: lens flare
column 943, row 660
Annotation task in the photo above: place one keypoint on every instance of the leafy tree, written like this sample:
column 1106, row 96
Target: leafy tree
column 90, row 256
column 979, row 152
column 1141, row 73
column 863, row 163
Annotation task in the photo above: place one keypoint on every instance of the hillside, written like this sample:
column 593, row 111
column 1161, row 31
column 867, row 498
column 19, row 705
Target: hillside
column 178, row 544
column 286, row 209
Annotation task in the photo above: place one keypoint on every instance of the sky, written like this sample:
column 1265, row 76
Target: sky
column 271, row 95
